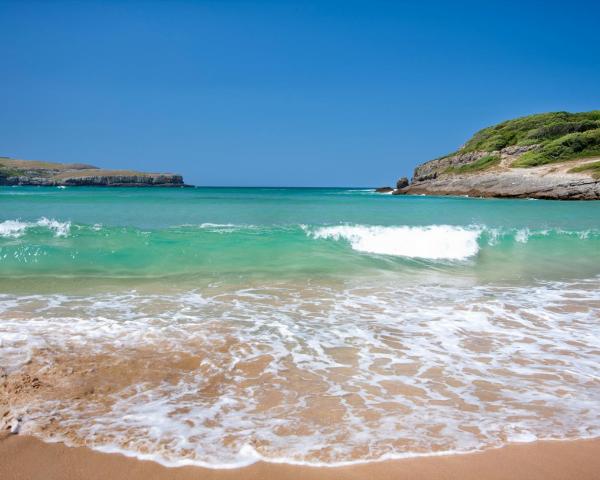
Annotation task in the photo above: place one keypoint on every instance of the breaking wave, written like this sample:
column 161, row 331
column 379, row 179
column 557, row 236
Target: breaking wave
column 17, row 228
column 435, row 242
column 50, row 247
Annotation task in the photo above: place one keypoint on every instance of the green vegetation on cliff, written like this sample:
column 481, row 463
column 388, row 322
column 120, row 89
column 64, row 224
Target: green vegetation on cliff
column 567, row 147
column 482, row 164
column 532, row 129
column 559, row 136
column 593, row 168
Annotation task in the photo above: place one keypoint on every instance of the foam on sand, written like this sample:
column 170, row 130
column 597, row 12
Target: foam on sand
column 308, row 374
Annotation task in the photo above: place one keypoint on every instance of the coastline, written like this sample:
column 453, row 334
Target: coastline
column 15, row 172
column 26, row 457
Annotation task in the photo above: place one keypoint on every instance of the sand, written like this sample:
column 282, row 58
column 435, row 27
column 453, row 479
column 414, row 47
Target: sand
column 25, row 457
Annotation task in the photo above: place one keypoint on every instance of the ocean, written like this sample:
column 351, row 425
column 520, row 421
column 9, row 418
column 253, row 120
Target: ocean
column 318, row 326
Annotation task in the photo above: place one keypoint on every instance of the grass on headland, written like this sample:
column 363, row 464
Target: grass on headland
column 568, row 147
column 592, row 167
column 556, row 137
column 478, row 165
column 13, row 163
column 10, row 167
column 532, row 129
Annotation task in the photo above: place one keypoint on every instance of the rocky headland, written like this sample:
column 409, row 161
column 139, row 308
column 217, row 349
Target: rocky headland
column 29, row 172
column 544, row 156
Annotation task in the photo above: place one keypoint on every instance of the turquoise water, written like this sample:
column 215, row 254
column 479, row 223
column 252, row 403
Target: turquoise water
column 222, row 326
column 247, row 232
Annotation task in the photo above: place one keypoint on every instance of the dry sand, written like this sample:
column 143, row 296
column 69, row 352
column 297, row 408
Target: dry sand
column 24, row 457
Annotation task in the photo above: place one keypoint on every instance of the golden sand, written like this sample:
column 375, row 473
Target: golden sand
column 26, row 458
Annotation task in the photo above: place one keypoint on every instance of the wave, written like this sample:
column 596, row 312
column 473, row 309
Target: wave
column 436, row 234
column 50, row 246
column 438, row 242
column 435, row 242
column 12, row 228
column 16, row 228
column 523, row 235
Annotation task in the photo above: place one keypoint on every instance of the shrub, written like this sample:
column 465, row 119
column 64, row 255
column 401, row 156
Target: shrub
column 482, row 164
column 567, row 147
column 556, row 130
column 533, row 129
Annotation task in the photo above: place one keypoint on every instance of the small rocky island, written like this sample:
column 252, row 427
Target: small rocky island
column 29, row 172
column 546, row 156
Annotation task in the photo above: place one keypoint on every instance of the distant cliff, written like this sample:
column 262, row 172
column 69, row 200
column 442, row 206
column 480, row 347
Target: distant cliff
column 28, row 172
column 548, row 156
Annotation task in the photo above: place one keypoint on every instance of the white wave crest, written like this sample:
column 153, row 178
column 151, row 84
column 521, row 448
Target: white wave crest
column 16, row 228
column 12, row 228
column 435, row 242
column 60, row 229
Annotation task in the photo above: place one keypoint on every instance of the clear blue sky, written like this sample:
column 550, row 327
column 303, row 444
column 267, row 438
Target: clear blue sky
column 292, row 93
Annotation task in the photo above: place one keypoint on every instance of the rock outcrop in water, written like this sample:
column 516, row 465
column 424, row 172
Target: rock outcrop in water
column 402, row 183
column 27, row 172
column 545, row 156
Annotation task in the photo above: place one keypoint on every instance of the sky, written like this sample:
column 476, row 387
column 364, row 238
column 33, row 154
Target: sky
column 283, row 93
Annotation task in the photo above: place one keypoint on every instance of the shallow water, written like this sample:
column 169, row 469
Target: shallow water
column 322, row 326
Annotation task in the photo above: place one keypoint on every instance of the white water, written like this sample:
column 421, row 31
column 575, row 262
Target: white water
column 435, row 242
column 16, row 228
column 402, row 371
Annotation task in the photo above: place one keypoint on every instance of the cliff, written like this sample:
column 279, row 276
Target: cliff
column 547, row 156
column 27, row 172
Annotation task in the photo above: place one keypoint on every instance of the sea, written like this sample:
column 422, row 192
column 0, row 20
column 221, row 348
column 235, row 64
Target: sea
column 219, row 327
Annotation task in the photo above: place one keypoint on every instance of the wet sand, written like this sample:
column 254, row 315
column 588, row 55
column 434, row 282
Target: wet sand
column 24, row 457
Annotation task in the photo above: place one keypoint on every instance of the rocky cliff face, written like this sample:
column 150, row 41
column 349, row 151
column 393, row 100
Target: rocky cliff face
column 538, row 182
column 434, row 168
column 555, row 181
column 24, row 172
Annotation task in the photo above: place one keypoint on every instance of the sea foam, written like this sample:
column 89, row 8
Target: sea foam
column 16, row 228
column 314, row 374
column 435, row 242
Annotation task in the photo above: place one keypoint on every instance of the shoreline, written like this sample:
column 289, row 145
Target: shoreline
column 26, row 457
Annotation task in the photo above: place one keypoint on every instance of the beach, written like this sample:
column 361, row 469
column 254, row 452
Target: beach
column 300, row 330
column 24, row 457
